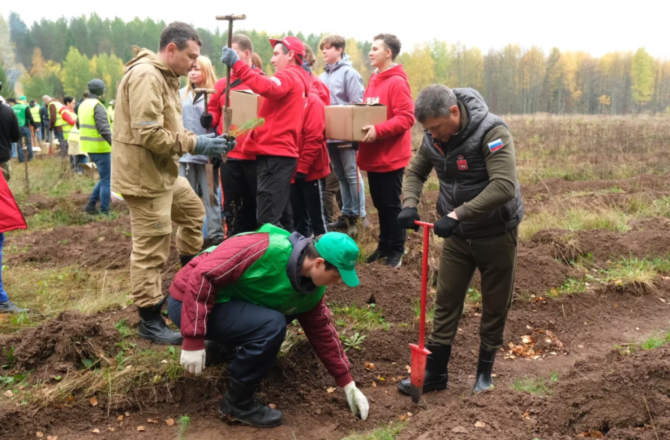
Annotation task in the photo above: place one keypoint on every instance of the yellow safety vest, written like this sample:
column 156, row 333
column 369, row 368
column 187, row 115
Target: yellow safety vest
column 59, row 118
column 74, row 134
column 90, row 141
column 67, row 128
column 36, row 113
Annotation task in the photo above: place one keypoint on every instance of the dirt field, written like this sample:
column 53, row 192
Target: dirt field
column 586, row 352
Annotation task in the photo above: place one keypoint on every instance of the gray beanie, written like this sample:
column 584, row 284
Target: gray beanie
column 97, row 87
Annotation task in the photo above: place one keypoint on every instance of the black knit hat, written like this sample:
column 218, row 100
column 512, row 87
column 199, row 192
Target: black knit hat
column 97, row 87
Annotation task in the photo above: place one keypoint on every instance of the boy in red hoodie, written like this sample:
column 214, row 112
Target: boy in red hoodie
column 238, row 174
column 387, row 147
column 276, row 143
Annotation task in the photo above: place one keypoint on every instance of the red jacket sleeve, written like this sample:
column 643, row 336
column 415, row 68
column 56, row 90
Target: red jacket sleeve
column 403, row 112
column 274, row 87
column 313, row 133
column 196, row 284
column 214, row 106
column 323, row 336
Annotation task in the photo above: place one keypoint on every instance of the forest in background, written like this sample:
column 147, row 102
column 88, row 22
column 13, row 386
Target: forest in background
column 59, row 57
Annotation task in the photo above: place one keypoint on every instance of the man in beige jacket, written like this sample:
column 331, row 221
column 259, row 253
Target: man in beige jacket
column 147, row 141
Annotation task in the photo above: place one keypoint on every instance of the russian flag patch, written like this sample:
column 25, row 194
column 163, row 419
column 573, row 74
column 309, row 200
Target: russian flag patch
column 495, row 145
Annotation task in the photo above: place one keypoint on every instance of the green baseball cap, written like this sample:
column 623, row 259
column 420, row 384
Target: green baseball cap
column 341, row 251
column 22, row 98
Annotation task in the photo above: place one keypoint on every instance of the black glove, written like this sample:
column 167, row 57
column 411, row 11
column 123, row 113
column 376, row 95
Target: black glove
column 300, row 177
column 445, row 226
column 407, row 217
column 206, row 120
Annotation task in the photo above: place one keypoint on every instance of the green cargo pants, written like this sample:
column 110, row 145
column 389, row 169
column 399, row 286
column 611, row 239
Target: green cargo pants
column 495, row 257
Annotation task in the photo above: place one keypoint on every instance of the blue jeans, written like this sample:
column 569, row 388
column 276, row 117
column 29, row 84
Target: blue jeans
column 102, row 190
column 27, row 137
column 3, row 294
column 14, row 150
column 344, row 164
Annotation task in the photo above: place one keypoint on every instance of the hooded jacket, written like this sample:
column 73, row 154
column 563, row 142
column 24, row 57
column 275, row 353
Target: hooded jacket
column 191, row 112
column 344, row 82
column 149, row 134
column 283, row 110
column 215, row 108
column 393, row 148
column 197, row 283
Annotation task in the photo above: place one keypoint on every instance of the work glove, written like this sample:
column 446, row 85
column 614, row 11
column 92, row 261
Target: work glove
column 407, row 217
column 358, row 403
column 211, row 145
column 229, row 57
column 445, row 226
column 206, row 120
column 193, row 361
column 300, row 177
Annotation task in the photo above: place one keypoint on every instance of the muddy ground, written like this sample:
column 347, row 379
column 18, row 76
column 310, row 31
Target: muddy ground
column 600, row 389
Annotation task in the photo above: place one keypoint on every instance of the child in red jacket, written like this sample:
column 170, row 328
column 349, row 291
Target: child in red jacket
column 387, row 147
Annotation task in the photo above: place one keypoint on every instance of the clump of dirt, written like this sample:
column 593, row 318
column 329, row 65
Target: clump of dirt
column 39, row 202
column 394, row 291
column 556, row 186
column 105, row 245
column 537, row 271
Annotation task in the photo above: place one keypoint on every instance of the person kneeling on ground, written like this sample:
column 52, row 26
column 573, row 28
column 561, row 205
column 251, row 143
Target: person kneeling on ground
column 245, row 291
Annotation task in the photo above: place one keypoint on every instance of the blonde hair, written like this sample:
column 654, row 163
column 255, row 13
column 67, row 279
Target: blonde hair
column 208, row 75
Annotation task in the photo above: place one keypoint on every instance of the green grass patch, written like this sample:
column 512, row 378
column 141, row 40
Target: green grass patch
column 49, row 176
column 360, row 318
column 536, row 385
column 389, row 432
column 430, row 313
column 657, row 340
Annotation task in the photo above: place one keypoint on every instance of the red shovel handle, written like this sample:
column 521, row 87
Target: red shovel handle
column 424, row 280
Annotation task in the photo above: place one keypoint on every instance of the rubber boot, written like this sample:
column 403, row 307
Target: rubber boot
column 154, row 328
column 484, row 370
column 91, row 208
column 340, row 223
column 378, row 254
column 437, row 374
column 240, row 404
column 185, row 259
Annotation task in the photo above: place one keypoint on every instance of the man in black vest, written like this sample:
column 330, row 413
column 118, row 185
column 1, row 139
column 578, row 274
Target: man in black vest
column 472, row 152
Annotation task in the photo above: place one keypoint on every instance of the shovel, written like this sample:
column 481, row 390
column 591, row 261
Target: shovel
column 419, row 353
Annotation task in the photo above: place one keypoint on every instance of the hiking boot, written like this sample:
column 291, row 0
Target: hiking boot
column 394, row 259
column 154, row 328
column 10, row 307
column 437, row 375
column 240, row 404
column 185, row 259
column 484, row 369
column 341, row 223
column 90, row 208
column 376, row 255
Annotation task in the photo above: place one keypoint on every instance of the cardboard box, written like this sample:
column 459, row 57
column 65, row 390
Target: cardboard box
column 346, row 122
column 245, row 106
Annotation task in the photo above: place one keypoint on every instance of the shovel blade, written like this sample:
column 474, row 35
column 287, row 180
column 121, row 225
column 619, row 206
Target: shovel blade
column 418, row 374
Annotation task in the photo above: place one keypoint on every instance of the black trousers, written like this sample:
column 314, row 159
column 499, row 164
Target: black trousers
column 238, row 178
column 256, row 332
column 385, row 189
column 273, row 174
column 309, row 207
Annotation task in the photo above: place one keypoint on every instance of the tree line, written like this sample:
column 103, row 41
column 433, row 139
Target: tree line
column 59, row 57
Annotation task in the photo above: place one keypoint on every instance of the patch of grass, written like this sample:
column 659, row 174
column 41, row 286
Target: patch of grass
column 123, row 328
column 430, row 313
column 389, row 432
column 184, row 423
column 360, row 318
column 570, row 286
column 536, row 385
column 655, row 341
column 638, row 272
column 574, row 219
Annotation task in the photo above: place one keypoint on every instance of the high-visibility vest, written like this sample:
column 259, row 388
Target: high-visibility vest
column 20, row 110
column 71, row 116
column 74, row 134
column 90, row 141
column 35, row 110
column 59, row 118
column 110, row 117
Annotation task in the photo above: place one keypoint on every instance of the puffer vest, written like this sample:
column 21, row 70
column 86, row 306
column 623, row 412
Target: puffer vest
column 462, row 170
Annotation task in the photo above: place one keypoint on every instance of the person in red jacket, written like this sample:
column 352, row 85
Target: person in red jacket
column 308, row 191
column 387, row 147
column 238, row 174
column 243, row 293
column 276, row 143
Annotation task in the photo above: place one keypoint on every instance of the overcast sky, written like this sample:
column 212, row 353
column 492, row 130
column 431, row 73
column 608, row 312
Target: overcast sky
column 594, row 26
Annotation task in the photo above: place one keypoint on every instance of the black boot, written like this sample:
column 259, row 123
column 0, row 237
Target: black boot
column 153, row 326
column 240, row 404
column 90, row 208
column 378, row 254
column 484, row 369
column 340, row 223
column 437, row 374
column 185, row 259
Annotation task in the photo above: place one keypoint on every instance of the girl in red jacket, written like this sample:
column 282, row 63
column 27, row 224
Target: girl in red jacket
column 387, row 147
column 10, row 219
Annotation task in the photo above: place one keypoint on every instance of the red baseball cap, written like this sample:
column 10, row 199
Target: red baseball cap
column 291, row 43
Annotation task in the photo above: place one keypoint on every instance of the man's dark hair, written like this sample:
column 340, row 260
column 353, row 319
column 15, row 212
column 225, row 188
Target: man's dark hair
column 67, row 100
column 435, row 101
column 85, row 95
column 243, row 42
column 13, row 100
column 313, row 254
column 180, row 34
column 391, row 42
column 32, row 101
column 335, row 41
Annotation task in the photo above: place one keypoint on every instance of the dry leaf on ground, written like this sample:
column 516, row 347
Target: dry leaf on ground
column 141, row 428
column 94, row 401
column 39, row 434
column 9, row 394
column 169, row 422
column 95, row 431
column 331, row 390
column 52, row 437
column 480, row 425
column 369, row 366
column 273, row 406
column 459, row 430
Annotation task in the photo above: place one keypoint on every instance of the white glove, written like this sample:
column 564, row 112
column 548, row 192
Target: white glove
column 358, row 403
column 193, row 361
